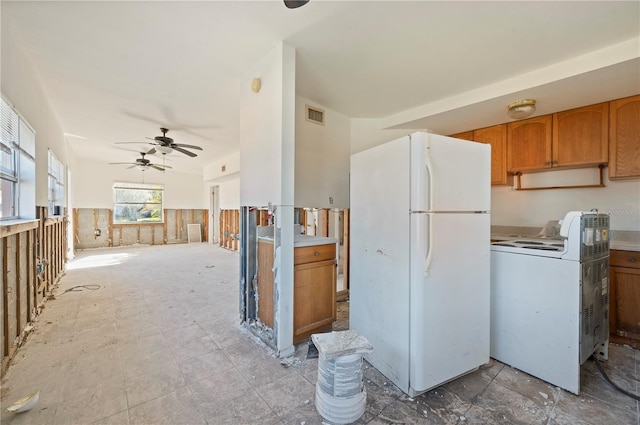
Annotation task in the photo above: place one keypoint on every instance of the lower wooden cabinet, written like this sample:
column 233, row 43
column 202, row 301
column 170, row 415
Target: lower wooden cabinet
column 624, row 298
column 314, row 288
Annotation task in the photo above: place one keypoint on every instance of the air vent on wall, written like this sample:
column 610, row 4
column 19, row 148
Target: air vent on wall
column 314, row 115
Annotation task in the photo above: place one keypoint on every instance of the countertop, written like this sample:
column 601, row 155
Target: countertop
column 625, row 245
column 304, row 240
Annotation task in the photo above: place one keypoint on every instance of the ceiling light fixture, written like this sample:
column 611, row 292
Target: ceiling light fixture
column 521, row 108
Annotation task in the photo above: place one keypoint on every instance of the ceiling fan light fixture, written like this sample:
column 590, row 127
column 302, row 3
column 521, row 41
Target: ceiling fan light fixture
column 165, row 150
column 521, row 108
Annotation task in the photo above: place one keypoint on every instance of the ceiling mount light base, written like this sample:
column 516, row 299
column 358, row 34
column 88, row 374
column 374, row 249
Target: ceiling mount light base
column 521, row 108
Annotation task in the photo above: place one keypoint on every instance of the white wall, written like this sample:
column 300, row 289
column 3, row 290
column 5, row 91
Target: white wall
column 20, row 85
column 322, row 159
column 93, row 185
column 227, row 181
column 534, row 208
column 264, row 157
column 267, row 160
column 367, row 133
column 229, row 194
column 214, row 171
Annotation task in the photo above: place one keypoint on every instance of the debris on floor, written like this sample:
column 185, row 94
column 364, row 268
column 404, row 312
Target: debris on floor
column 24, row 404
column 312, row 353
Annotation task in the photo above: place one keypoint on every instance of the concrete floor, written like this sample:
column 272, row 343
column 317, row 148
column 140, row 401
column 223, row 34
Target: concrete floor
column 159, row 342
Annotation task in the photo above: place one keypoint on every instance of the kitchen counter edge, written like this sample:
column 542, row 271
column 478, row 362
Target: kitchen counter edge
column 304, row 240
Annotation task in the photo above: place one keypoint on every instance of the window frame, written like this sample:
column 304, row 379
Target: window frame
column 55, row 183
column 119, row 204
column 17, row 139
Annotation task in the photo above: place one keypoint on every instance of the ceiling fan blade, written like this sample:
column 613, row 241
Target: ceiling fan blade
column 137, row 143
column 151, row 151
column 120, row 163
column 184, row 151
column 134, row 165
column 292, row 4
column 186, row 146
column 157, row 167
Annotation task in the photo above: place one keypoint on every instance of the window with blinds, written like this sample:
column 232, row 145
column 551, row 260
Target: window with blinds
column 56, row 185
column 17, row 164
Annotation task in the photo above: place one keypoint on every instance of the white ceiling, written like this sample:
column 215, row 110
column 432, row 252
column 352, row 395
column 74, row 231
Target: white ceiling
column 119, row 70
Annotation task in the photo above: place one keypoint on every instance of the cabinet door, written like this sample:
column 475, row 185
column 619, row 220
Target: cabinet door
column 624, row 138
column 529, row 144
column 624, row 319
column 580, row 136
column 496, row 136
column 467, row 135
column 314, row 298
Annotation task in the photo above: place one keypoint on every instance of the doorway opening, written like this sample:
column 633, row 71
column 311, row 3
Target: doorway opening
column 214, row 208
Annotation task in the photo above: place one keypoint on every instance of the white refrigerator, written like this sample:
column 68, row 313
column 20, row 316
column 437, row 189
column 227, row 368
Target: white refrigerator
column 420, row 256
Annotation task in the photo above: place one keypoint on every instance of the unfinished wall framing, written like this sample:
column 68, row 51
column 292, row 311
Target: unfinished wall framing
column 94, row 228
column 230, row 229
column 33, row 256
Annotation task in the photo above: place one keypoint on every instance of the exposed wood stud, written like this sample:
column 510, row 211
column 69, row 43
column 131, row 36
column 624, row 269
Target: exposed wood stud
column 18, row 253
column 205, row 224
column 164, row 228
column 110, row 218
column 95, row 222
column 5, row 297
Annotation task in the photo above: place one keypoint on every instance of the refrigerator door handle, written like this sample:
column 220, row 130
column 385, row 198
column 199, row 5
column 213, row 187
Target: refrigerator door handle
column 429, row 259
column 428, row 165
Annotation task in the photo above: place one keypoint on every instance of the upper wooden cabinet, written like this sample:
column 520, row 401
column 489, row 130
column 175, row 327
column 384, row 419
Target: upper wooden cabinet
column 567, row 139
column 496, row 136
column 529, row 144
column 580, row 136
column 624, row 138
column 467, row 135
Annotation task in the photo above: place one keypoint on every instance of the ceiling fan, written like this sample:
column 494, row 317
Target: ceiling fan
column 165, row 145
column 143, row 163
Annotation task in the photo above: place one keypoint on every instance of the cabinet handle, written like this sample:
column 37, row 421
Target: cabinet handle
column 316, row 253
column 554, row 162
column 547, row 163
column 632, row 260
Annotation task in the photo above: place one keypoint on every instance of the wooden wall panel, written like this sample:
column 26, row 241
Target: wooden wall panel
column 23, row 290
column 172, row 230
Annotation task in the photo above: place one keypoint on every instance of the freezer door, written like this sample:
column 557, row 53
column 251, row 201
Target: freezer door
column 449, row 174
column 449, row 301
